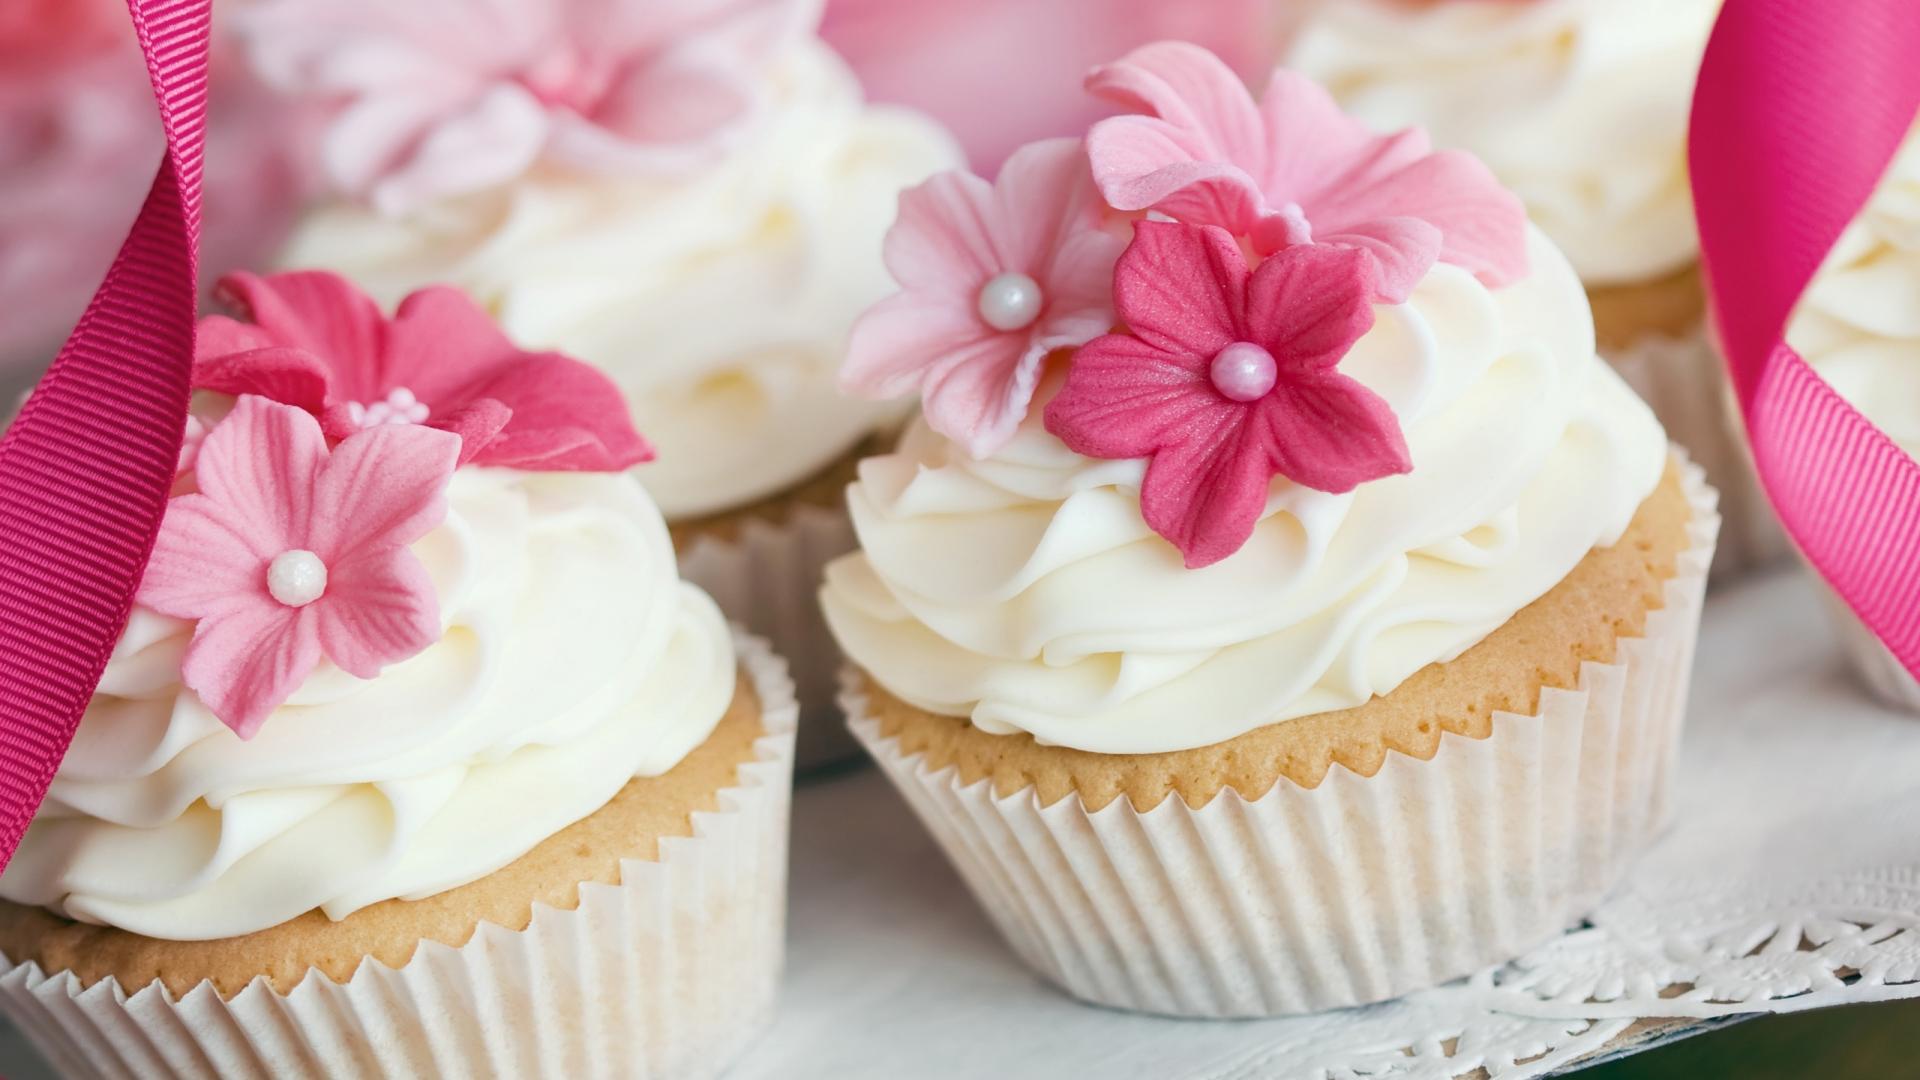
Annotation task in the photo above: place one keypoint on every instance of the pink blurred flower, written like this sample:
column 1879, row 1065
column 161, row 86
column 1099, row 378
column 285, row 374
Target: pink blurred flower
column 314, row 341
column 1294, row 169
column 440, row 97
column 79, row 143
column 1226, row 379
column 999, row 73
column 289, row 552
column 993, row 277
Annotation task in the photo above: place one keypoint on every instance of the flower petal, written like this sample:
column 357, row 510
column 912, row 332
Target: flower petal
column 1483, row 226
column 1192, row 90
column 1205, row 492
column 494, row 139
column 665, row 115
column 1124, row 398
column 1315, row 149
column 978, row 395
column 441, row 346
column 1199, row 151
column 379, row 609
column 943, row 240
column 565, row 416
column 477, row 424
column 1079, row 276
column 259, row 464
column 1140, row 163
column 1182, row 288
column 320, row 313
column 1399, row 253
column 383, row 486
column 897, row 341
column 204, row 562
column 245, row 663
column 282, row 373
column 1043, row 195
column 1331, row 433
column 1308, row 304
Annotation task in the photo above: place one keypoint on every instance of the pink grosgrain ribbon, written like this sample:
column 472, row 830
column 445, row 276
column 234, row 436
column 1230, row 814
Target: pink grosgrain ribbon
column 85, row 469
column 1799, row 109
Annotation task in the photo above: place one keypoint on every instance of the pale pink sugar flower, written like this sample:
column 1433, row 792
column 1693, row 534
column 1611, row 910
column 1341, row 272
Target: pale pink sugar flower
column 1293, row 169
column 289, row 552
column 993, row 277
column 438, row 98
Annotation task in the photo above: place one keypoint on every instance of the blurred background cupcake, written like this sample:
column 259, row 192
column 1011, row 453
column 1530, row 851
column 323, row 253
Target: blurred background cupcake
column 1290, row 611
column 79, row 141
column 1859, row 326
column 1580, row 107
column 688, row 196
column 416, row 756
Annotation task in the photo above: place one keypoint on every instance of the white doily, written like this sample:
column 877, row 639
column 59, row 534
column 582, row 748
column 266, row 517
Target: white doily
column 1789, row 880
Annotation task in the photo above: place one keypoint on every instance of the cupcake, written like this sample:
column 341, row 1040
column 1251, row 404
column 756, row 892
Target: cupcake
column 416, row 755
column 688, row 197
column 1857, row 326
column 1581, row 108
column 1303, row 615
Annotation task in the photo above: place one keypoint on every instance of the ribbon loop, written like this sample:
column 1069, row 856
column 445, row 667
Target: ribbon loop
column 86, row 468
column 1798, row 111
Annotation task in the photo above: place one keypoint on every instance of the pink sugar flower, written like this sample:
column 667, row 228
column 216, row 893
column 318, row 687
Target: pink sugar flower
column 1294, row 169
column 289, row 552
column 993, row 277
column 438, row 98
column 315, row 341
column 1226, row 379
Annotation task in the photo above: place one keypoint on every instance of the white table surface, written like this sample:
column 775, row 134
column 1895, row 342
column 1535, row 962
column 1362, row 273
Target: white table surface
column 892, row 970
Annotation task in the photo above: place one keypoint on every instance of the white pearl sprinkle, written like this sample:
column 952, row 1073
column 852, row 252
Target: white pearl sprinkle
column 297, row 578
column 1010, row 301
column 399, row 407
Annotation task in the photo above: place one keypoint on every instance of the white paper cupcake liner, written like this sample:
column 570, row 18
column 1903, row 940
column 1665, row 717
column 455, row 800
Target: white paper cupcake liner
column 1684, row 381
column 768, row 578
column 1355, row 891
column 1871, row 659
column 671, row 973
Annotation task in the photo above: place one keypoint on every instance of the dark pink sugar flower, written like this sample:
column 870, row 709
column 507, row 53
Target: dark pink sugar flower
column 1226, row 379
column 1293, row 169
column 290, row 552
column 313, row 340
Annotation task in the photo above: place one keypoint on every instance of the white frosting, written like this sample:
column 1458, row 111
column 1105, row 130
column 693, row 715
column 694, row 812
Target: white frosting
column 1024, row 591
column 574, row 659
column 1859, row 323
column 720, row 303
column 1579, row 106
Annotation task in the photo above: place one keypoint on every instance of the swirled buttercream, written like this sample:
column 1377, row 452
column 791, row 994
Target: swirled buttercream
column 1579, row 106
column 1025, row 591
column 1859, row 325
column 720, row 302
column 573, row 659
